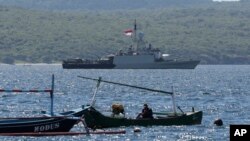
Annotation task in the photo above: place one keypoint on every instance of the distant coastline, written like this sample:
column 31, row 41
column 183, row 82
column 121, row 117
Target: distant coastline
column 215, row 33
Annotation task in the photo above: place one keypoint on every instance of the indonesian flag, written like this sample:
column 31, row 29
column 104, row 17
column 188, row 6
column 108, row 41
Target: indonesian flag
column 128, row 32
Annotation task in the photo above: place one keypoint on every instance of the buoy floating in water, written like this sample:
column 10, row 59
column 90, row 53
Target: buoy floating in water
column 136, row 129
column 218, row 122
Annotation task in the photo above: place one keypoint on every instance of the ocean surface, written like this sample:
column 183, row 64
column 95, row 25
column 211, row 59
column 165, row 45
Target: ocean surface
column 220, row 91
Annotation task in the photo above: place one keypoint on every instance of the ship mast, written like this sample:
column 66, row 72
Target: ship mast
column 135, row 38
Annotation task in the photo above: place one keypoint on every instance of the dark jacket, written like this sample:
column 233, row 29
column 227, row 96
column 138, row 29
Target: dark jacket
column 147, row 113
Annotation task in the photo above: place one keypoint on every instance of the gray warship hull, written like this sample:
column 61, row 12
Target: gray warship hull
column 161, row 65
column 134, row 62
column 149, row 62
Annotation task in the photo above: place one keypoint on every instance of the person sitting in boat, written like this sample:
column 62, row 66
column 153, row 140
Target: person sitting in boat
column 146, row 112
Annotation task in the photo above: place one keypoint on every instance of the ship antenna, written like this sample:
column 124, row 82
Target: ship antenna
column 135, row 29
column 135, row 37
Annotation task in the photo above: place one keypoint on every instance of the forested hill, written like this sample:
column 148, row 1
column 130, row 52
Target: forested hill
column 215, row 34
column 102, row 4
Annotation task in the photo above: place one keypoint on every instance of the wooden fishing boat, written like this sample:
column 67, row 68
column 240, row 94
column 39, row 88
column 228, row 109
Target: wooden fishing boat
column 95, row 119
column 45, row 125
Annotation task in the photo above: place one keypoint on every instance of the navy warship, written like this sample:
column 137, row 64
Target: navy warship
column 140, row 55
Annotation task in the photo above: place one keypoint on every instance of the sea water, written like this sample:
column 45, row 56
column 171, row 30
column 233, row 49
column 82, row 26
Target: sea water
column 220, row 91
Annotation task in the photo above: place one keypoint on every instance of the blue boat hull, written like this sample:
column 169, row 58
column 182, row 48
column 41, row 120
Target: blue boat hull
column 36, row 124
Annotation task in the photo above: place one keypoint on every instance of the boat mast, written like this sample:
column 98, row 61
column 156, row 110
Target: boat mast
column 94, row 95
column 173, row 99
column 52, row 96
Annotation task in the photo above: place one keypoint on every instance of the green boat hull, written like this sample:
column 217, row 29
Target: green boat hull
column 94, row 119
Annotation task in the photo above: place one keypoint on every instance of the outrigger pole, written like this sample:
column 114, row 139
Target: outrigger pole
column 132, row 86
column 121, row 84
column 51, row 91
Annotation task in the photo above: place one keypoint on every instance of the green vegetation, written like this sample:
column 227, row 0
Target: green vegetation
column 217, row 34
column 102, row 4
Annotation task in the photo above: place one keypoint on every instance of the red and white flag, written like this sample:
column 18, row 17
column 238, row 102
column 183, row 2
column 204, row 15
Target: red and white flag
column 128, row 32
